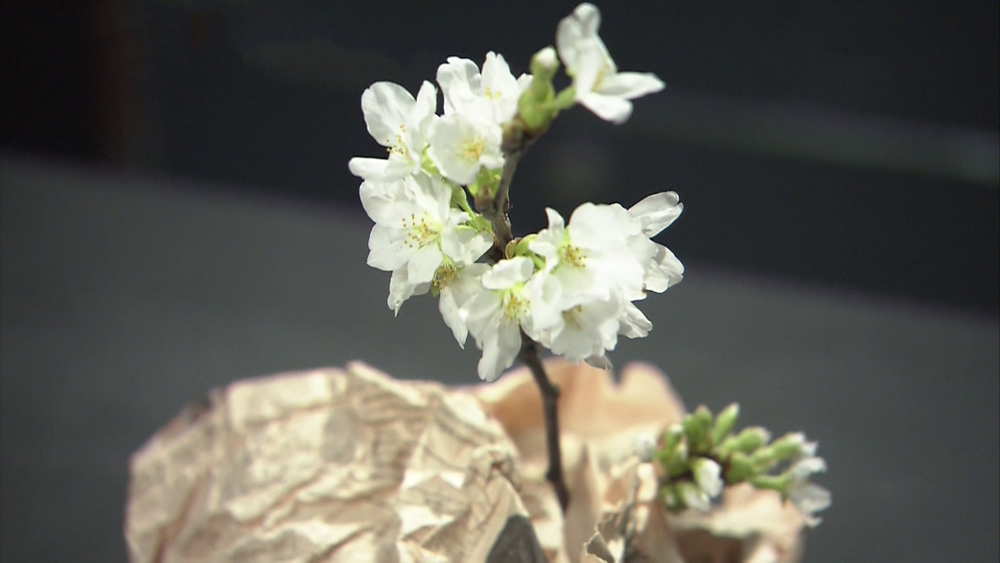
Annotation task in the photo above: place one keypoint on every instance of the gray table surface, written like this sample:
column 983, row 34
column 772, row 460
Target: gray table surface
column 124, row 298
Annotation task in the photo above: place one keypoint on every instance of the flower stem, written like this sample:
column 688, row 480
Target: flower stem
column 494, row 208
column 550, row 400
column 515, row 143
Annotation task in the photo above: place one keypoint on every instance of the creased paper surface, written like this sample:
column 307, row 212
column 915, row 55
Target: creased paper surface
column 329, row 465
column 351, row 465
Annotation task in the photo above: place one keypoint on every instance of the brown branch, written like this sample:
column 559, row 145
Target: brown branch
column 550, row 401
column 515, row 143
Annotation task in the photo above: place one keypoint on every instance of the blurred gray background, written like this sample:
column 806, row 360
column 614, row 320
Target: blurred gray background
column 177, row 213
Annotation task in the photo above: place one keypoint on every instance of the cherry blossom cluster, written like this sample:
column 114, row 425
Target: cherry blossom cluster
column 571, row 287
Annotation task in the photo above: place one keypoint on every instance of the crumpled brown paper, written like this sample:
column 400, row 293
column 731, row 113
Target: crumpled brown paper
column 352, row 465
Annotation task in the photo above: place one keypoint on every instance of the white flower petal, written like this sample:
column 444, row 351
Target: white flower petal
column 601, row 226
column 600, row 362
column 507, row 273
column 634, row 323
column 593, row 65
column 463, row 287
column 465, row 245
column 809, row 499
column 629, row 85
column 497, row 336
column 450, row 312
column 385, row 252
column 665, row 270
column 383, row 201
column 459, row 146
column 425, row 106
column 575, row 29
column 500, row 352
column 805, row 467
column 386, row 107
column 423, row 263
column 587, row 330
column 657, row 212
column 608, row 108
column 556, row 221
column 368, row 168
column 456, row 78
column 401, row 289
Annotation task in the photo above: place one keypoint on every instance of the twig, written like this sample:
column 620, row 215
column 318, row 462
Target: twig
column 550, row 401
column 515, row 143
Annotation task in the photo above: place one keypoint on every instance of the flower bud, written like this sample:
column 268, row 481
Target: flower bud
column 740, row 469
column 793, row 446
column 535, row 104
column 751, row 439
column 706, row 475
column 780, row 483
column 645, row 447
column 697, row 427
column 724, row 422
column 694, row 497
column 545, row 63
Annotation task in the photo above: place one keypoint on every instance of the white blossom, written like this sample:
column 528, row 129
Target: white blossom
column 494, row 317
column 598, row 84
column 587, row 260
column 460, row 145
column 398, row 122
column 415, row 231
column 490, row 96
column 586, row 330
column 580, row 295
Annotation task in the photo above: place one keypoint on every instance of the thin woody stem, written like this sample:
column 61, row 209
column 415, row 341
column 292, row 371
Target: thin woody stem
column 550, row 401
column 515, row 143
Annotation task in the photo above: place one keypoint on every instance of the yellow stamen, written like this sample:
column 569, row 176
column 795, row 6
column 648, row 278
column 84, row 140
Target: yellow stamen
column 420, row 231
column 471, row 149
column 572, row 256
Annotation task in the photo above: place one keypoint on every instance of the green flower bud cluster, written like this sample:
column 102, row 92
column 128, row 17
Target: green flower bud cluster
column 697, row 457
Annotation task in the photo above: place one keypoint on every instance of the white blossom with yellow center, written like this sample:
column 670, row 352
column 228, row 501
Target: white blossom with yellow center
column 594, row 269
column 399, row 123
column 490, row 96
column 416, row 231
column 496, row 314
column 461, row 145
column 589, row 270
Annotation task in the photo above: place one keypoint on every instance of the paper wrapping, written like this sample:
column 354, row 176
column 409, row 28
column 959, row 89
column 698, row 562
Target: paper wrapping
column 352, row 465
